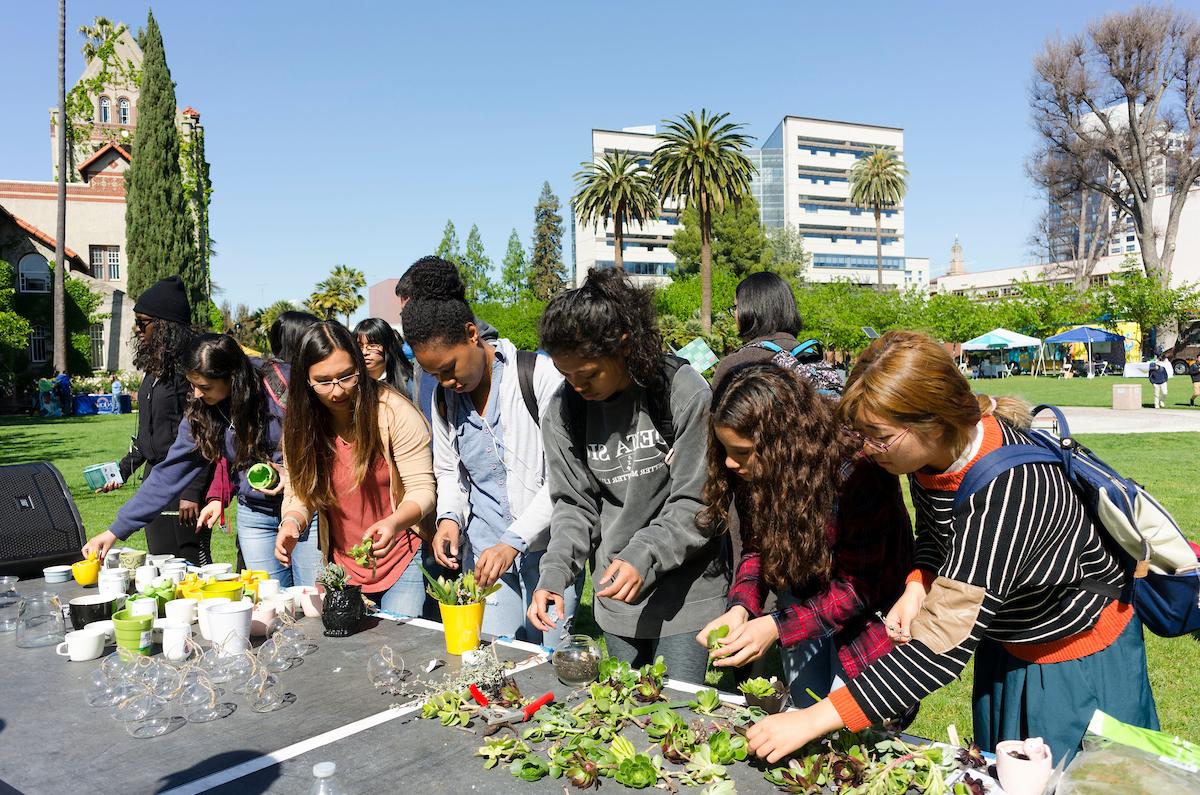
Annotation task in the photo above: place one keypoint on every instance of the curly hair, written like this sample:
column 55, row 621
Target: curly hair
column 218, row 356
column 159, row 353
column 607, row 316
column 437, row 310
column 788, row 495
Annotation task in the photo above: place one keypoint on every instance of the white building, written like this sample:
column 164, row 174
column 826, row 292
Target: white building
column 801, row 181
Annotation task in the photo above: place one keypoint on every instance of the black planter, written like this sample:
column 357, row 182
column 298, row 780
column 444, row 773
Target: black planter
column 342, row 611
column 770, row 704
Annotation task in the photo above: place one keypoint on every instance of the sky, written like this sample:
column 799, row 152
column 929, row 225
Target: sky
column 349, row 133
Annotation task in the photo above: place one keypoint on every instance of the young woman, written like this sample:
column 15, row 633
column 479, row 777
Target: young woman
column 384, row 354
column 767, row 320
column 998, row 578
column 493, row 500
column 162, row 331
column 823, row 528
column 230, row 416
column 626, row 441
column 357, row 453
column 285, row 333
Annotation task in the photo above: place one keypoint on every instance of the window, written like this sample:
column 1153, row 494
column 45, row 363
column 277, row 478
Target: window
column 123, row 111
column 37, row 345
column 105, row 110
column 99, row 256
column 114, row 263
column 34, row 274
column 97, row 334
column 96, row 257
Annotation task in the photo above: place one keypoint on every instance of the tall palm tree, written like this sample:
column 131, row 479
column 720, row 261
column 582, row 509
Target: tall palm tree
column 878, row 180
column 348, row 281
column 60, row 246
column 617, row 187
column 700, row 162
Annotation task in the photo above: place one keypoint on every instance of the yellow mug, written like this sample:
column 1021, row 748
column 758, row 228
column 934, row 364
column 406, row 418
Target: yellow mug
column 86, row 572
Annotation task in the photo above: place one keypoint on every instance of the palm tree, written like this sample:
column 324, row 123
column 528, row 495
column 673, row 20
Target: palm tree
column 878, row 180
column 617, row 187
column 60, row 247
column 700, row 162
column 95, row 36
column 339, row 292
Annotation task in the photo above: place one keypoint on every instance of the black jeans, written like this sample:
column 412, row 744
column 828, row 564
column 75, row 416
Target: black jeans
column 685, row 658
column 165, row 536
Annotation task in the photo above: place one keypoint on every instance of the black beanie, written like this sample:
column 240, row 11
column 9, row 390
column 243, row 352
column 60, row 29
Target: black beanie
column 166, row 299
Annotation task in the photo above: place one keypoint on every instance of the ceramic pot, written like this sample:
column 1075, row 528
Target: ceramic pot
column 229, row 626
column 342, row 611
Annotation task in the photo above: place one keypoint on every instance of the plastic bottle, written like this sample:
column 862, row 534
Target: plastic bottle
column 325, row 783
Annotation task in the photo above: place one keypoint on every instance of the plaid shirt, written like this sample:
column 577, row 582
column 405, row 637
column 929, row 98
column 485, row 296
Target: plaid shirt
column 872, row 554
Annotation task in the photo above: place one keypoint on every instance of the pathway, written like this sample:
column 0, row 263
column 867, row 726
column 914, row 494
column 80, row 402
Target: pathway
column 1096, row 420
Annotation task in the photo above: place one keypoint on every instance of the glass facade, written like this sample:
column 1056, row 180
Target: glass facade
column 640, row 268
column 767, row 184
column 855, row 261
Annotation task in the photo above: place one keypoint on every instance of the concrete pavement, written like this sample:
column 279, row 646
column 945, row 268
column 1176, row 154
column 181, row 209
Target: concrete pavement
column 1096, row 420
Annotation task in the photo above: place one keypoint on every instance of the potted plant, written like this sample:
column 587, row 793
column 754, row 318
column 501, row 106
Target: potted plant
column 343, row 607
column 769, row 695
column 461, row 603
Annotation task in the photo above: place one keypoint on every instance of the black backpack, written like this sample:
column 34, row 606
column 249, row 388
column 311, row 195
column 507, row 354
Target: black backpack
column 526, row 364
column 658, row 406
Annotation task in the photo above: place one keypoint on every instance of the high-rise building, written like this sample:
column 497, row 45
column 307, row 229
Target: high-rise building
column 801, row 181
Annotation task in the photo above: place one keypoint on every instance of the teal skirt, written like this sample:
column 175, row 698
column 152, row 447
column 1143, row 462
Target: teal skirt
column 1014, row 699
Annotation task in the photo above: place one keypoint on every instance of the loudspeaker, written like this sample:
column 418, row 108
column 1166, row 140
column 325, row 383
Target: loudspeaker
column 39, row 523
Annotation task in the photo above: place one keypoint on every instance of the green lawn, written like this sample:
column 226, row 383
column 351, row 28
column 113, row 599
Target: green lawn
column 1164, row 462
column 1080, row 391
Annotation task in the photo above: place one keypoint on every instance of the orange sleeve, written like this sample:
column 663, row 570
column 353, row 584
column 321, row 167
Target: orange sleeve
column 922, row 576
column 847, row 708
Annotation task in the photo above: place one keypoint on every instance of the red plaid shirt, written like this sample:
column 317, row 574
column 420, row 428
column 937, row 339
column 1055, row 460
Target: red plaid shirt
column 872, row 554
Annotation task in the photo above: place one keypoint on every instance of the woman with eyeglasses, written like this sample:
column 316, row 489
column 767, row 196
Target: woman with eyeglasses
column 824, row 530
column 162, row 332
column 384, row 354
column 1017, row 576
column 493, row 499
column 358, row 454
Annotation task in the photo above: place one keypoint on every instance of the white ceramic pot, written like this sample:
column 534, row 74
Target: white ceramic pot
column 284, row 603
column 267, row 589
column 143, row 607
column 175, row 635
column 202, row 614
column 213, row 569
column 182, row 610
column 144, row 577
column 229, row 626
column 308, row 599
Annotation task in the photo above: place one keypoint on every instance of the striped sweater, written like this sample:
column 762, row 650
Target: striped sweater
column 1006, row 564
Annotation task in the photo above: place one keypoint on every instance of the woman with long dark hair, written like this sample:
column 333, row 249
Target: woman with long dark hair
column 357, row 453
column 230, row 417
column 383, row 352
column 286, row 331
column 626, row 442
column 162, row 331
column 493, row 500
column 823, row 529
column 1017, row 576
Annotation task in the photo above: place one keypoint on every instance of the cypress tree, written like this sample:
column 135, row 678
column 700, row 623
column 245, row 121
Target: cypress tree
column 158, row 223
column 513, row 274
column 475, row 268
column 546, row 272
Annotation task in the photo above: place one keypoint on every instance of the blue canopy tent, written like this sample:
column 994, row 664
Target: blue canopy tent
column 1087, row 335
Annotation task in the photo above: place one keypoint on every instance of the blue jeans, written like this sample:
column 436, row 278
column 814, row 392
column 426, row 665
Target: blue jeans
column 809, row 665
column 505, row 615
column 407, row 594
column 256, row 536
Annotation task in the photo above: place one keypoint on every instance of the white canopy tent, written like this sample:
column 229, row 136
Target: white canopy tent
column 1001, row 339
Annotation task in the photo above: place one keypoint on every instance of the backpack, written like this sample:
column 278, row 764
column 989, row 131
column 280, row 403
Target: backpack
column 658, row 406
column 276, row 384
column 822, row 375
column 1163, row 578
column 526, row 363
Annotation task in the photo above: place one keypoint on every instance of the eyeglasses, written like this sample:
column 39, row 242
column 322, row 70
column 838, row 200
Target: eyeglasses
column 326, row 387
column 140, row 323
column 875, row 444
column 371, row 347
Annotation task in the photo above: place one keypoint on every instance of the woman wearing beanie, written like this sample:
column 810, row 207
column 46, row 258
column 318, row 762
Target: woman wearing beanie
column 162, row 331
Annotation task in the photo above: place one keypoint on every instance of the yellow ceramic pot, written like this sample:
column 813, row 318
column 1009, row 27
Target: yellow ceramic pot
column 231, row 589
column 462, row 625
column 86, row 572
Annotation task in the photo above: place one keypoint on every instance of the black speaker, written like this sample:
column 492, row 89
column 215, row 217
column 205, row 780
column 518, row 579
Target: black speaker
column 39, row 523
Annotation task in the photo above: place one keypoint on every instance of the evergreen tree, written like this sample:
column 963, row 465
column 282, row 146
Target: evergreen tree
column 158, row 222
column 475, row 268
column 739, row 243
column 546, row 272
column 448, row 248
column 515, row 271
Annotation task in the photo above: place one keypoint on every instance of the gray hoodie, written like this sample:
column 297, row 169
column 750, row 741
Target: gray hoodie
column 627, row 502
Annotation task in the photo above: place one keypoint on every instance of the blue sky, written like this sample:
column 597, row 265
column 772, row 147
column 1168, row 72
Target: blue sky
column 351, row 137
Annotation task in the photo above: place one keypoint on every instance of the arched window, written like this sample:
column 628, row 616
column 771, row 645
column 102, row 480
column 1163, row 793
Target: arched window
column 123, row 111
column 33, row 274
column 105, row 110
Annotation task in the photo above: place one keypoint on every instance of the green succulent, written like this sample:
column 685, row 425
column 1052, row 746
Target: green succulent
column 637, row 772
column 529, row 768
column 707, row 702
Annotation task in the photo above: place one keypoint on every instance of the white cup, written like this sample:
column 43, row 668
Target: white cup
column 81, row 645
column 112, row 588
column 229, row 626
column 284, row 603
column 173, row 573
column 158, row 560
column 202, row 614
column 143, row 578
column 182, row 610
column 104, row 627
column 143, row 607
column 175, row 635
column 268, row 588
column 213, row 569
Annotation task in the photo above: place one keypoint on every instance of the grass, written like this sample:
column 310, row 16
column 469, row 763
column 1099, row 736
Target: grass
column 1164, row 462
column 1096, row 392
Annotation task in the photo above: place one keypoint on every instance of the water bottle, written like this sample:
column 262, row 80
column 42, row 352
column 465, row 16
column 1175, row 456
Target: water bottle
column 325, row 783
column 10, row 603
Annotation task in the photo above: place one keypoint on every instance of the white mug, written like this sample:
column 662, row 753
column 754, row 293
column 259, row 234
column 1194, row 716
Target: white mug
column 182, row 610
column 174, row 640
column 105, row 628
column 143, row 607
column 143, row 578
column 175, row 575
column 81, row 645
column 284, row 603
column 112, row 587
column 267, row 589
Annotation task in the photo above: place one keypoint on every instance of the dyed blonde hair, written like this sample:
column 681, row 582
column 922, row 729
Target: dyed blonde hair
column 907, row 379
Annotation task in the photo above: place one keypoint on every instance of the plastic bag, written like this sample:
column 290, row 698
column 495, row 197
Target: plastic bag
column 1148, row 740
column 1105, row 767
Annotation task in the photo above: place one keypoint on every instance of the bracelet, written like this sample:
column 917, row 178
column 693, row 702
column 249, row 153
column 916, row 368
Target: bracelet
column 293, row 520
